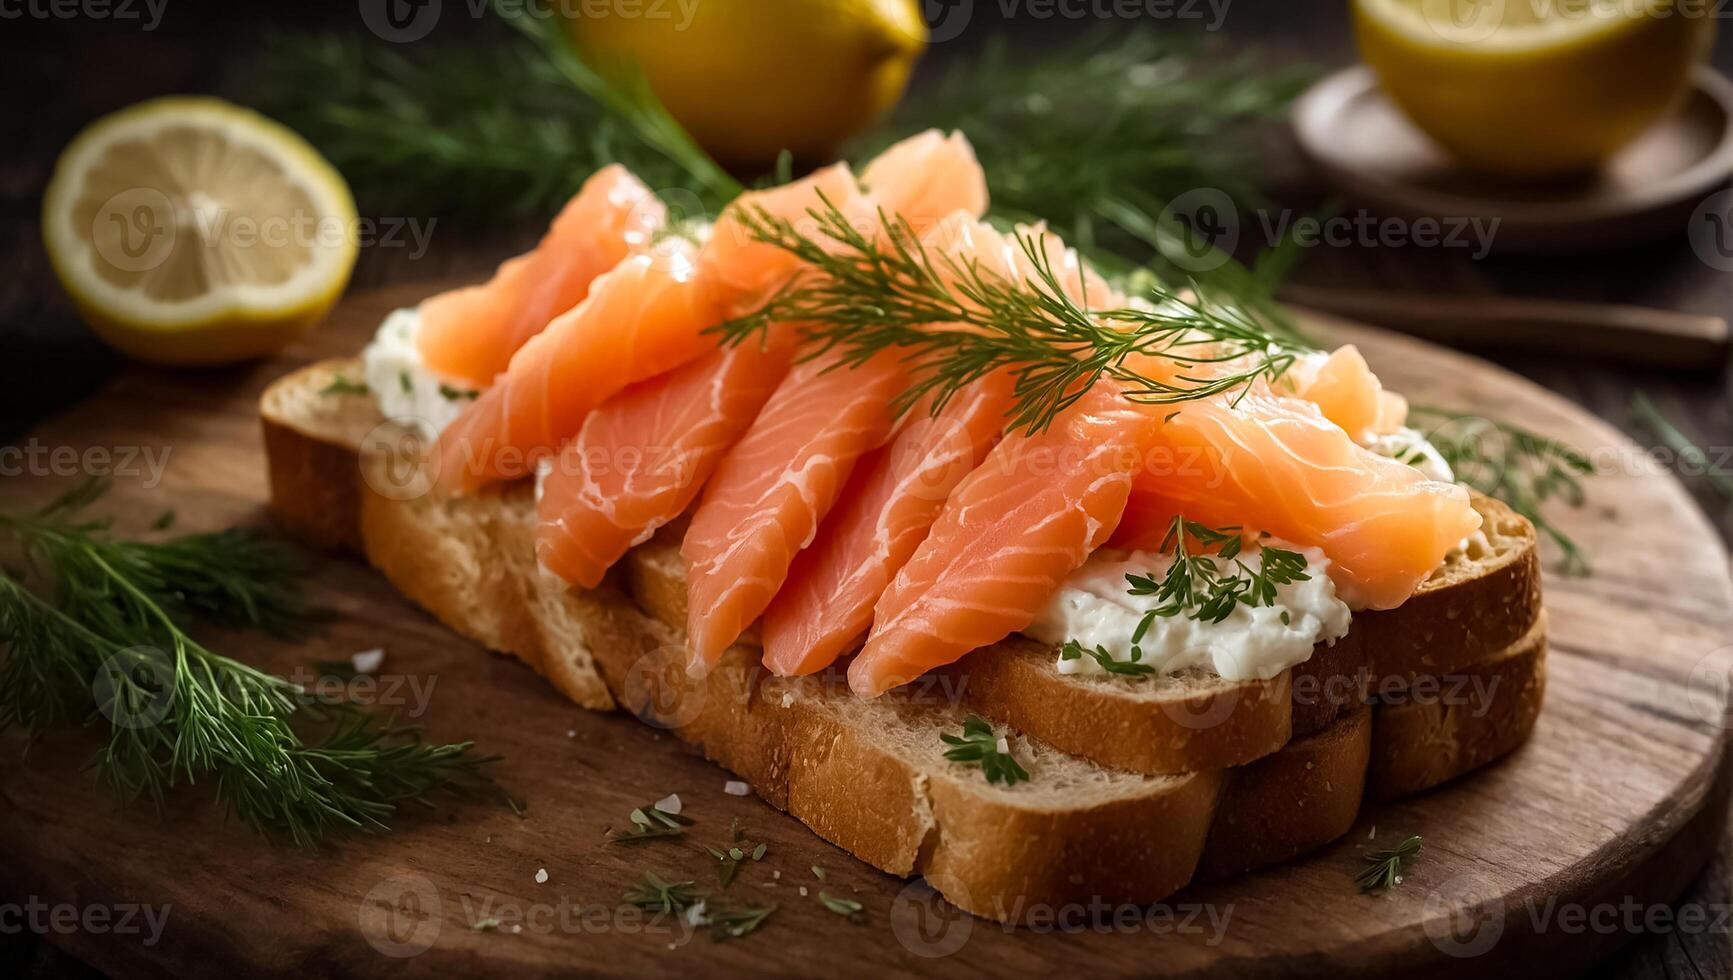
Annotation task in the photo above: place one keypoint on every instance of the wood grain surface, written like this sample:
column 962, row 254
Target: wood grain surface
column 1535, row 863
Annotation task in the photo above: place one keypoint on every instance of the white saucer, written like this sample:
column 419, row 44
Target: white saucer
column 1363, row 142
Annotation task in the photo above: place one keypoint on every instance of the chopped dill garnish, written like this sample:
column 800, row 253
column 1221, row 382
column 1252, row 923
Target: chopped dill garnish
column 650, row 823
column 1384, row 868
column 734, row 923
column 451, row 394
column 847, row 907
column 1198, row 585
column 341, row 385
column 1072, row 650
column 980, row 746
column 656, row 895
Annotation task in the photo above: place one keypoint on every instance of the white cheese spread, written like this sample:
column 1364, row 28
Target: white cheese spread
column 402, row 385
column 1412, row 447
column 1094, row 608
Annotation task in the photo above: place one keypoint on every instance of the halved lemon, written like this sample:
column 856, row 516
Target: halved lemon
column 1532, row 88
column 192, row 231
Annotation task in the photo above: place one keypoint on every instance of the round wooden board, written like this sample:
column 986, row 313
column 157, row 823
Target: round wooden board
column 1614, row 804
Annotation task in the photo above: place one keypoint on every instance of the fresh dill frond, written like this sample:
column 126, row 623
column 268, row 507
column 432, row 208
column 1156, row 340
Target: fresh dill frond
column 1384, row 868
column 1062, row 129
column 485, row 133
column 1207, row 586
column 1693, row 460
column 1524, row 469
column 978, row 745
column 110, row 650
column 956, row 322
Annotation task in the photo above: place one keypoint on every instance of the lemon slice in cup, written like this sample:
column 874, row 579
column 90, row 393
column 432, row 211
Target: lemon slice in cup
column 192, row 231
column 1532, row 88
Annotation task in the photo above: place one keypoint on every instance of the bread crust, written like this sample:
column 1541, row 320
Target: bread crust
column 1460, row 721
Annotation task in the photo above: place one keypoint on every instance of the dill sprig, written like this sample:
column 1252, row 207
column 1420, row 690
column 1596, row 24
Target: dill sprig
column 1208, row 586
column 1693, row 459
column 978, row 745
column 1384, row 868
column 1524, row 469
column 957, row 322
column 109, row 649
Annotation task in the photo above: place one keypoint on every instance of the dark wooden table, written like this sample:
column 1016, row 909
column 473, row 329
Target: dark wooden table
column 60, row 73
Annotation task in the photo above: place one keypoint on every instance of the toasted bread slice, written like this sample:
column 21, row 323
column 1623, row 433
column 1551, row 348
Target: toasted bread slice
column 1441, row 726
column 1195, row 721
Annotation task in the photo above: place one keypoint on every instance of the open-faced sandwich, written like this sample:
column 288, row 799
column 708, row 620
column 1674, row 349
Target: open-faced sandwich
column 980, row 567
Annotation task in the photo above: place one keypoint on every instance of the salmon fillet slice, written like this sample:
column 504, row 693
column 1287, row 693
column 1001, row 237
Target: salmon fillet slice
column 1009, row 534
column 644, row 317
column 769, row 494
column 826, row 606
column 641, row 459
column 1277, row 464
column 470, row 334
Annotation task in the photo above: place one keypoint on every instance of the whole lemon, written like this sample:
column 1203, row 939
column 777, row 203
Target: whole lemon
column 1532, row 88
column 751, row 78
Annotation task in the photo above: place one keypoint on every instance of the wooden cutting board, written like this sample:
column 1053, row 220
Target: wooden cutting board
column 1616, row 801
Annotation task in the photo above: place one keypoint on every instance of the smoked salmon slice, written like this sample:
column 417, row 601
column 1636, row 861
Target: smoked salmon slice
column 927, row 176
column 1010, row 533
column 768, row 495
column 887, row 509
column 470, row 334
column 1277, row 464
column 644, row 317
column 641, row 459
